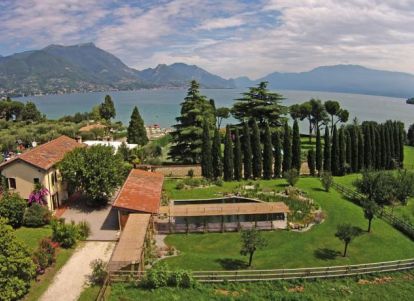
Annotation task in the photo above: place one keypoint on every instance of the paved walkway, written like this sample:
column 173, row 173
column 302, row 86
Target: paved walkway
column 68, row 284
column 103, row 221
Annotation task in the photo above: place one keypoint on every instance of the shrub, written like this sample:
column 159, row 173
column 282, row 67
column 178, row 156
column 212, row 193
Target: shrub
column 99, row 272
column 84, row 230
column 219, row 182
column 190, row 173
column 36, row 216
column 180, row 185
column 161, row 276
column 64, row 233
column 327, row 180
column 12, row 207
column 291, row 176
column 45, row 255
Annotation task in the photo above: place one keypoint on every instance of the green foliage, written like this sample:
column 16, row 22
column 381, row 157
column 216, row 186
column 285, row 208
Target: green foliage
column 346, row 233
column 228, row 166
column 247, row 152
column 162, row 276
column 107, row 109
column 370, row 208
column 311, row 162
column 267, row 154
column 296, row 148
column 12, row 207
column 251, row 240
column 36, row 215
column 260, row 104
column 99, row 272
column 238, row 160
column 30, row 112
column 342, row 153
column 65, row 234
column 16, row 266
column 187, row 137
column 278, row 155
column 326, row 180
column 45, row 255
column 95, row 171
column 217, row 155
column 327, row 151
column 318, row 153
column 333, row 108
column 377, row 186
column 291, row 176
column 206, row 153
column 222, row 113
column 84, row 230
column 257, row 159
column 410, row 135
column 136, row 133
column 287, row 149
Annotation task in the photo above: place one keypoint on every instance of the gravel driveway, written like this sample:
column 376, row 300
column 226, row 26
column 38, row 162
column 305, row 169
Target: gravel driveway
column 68, row 284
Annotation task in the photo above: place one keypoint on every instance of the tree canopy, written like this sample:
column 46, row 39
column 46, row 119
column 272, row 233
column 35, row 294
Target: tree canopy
column 136, row 132
column 251, row 240
column 107, row 109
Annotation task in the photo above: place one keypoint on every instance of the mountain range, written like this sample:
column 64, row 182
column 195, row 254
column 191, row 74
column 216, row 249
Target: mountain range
column 85, row 67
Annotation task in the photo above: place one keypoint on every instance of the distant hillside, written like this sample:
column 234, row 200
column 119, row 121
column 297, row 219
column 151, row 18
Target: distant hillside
column 341, row 78
column 179, row 74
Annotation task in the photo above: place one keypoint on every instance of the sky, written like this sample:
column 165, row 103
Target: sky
column 230, row 38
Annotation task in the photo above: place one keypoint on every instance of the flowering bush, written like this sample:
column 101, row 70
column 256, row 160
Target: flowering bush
column 38, row 195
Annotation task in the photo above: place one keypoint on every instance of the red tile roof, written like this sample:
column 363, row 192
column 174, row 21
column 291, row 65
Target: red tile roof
column 48, row 154
column 141, row 192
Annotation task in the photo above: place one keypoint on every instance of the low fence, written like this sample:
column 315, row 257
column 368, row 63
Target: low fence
column 173, row 171
column 283, row 274
column 382, row 212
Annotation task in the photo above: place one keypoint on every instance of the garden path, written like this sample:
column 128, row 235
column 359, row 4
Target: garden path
column 68, row 284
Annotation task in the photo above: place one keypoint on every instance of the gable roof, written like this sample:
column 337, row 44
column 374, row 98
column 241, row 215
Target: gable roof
column 48, row 154
column 141, row 192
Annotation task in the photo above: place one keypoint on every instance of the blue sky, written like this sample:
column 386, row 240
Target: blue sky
column 229, row 37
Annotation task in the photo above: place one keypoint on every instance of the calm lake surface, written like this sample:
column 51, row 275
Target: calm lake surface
column 162, row 106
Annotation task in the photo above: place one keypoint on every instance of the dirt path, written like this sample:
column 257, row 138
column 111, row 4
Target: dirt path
column 69, row 282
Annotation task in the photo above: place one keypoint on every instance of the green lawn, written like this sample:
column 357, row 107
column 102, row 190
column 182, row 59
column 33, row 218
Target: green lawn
column 31, row 237
column 288, row 249
column 89, row 293
column 397, row 286
column 409, row 157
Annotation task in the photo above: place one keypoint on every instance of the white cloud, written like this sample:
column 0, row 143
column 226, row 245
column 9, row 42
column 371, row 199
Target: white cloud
column 221, row 23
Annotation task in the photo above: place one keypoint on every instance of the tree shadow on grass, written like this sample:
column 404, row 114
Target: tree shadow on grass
column 282, row 185
column 318, row 189
column 326, row 254
column 232, row 264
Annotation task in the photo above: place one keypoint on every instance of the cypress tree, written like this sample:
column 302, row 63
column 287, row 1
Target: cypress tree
column 327, row 151
column 383, row 147
column 228, row 156
column 217, row 156
column 296, row 152
column 402, row 141
column 335, row 152
column 311, row 162
column 396, row 134
column 378, row 146
column 287, row 149
column 247, row 152
column 388, row 156
column 256, row 150
column 392, row 142
column 318, row 153
column 136, row 132
column 354, row 148
column 342, row 151
column 238, row 162
column 367, row 147
column 267, row 154
column 360, row 150
column 374, row 149
column 206, row 153
column 278, row 155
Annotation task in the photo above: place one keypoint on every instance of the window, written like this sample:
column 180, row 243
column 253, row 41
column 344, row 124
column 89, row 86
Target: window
column 36, row 180
column 12, row 183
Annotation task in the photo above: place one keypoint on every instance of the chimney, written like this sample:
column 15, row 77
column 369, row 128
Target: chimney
column 78, row 139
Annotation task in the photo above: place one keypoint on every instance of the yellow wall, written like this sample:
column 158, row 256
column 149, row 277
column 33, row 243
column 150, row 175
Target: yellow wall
column 25, row 175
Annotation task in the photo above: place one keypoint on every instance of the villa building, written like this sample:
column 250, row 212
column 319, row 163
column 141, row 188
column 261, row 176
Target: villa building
column 39, row 166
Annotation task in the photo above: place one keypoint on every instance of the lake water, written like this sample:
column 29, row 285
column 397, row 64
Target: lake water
column 163, row 105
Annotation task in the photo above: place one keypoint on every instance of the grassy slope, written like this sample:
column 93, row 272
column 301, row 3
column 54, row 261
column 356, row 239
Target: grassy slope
column 399, row 287
column 291, row 249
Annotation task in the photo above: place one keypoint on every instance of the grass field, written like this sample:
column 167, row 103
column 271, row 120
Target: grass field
column 395, row 286
column 288, row 249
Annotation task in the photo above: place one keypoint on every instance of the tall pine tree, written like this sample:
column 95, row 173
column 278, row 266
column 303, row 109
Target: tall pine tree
column 368, row 143
column 348, row 148
column 217, row 156
column 318, row 153
column 360, row 150
column 267, row 154
column 247, row 152
column 335, row 152
column 327, row 151
column 136, row 132
column 287, row 149
column 228, row 166
column 354, row 148
column 206, row 153
column 277, row 169
column 256, row 150
column 296, row 149
column 238, row 160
